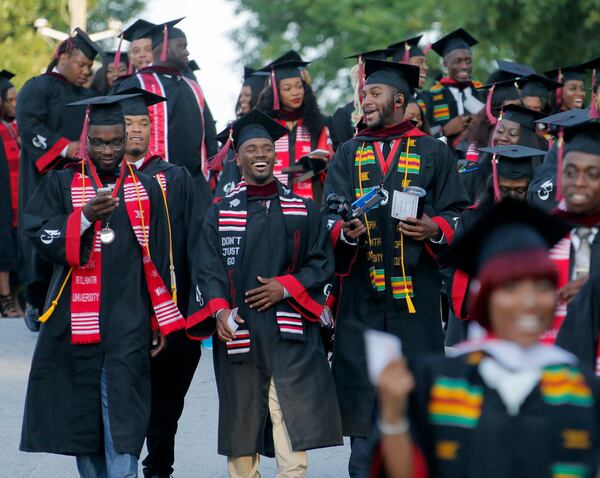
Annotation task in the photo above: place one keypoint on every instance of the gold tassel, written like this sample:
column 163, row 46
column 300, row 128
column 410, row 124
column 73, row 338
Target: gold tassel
column 409, row 303
column 46, row 315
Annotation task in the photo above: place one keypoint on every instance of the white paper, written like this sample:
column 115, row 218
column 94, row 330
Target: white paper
column 382, row 348
column 233, row 325
column 404, row 205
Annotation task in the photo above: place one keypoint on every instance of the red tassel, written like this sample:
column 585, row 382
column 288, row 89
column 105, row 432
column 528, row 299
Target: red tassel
column 130, row 69
column 427, row 48
column 559, row 162
column 558, row 91
column 497, row 195
column 216, row 162
column 82, row 153
column 276, row 105
column 406, row 56
column 165, row 47
column 361, row 78
column 118, row 54
column 488, row 106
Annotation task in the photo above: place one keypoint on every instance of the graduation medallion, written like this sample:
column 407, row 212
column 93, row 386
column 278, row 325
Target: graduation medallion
column 107, row 235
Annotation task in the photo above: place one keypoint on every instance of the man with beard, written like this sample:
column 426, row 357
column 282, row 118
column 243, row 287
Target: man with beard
column 183, row 128
column 49, row 136
column 172, row 370
column 263, row 266
column 101, row 225
column 454, row 98
column 393, row 281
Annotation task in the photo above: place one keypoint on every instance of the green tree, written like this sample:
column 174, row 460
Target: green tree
column 542, row 33
column 25, row 52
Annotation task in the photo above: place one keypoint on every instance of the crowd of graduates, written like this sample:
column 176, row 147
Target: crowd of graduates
column 461, row 219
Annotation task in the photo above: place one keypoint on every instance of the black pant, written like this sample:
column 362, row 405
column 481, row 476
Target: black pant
column 172, row 373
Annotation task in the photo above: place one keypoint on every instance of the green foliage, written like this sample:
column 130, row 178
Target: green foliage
column 25, row 52
column 542, row 33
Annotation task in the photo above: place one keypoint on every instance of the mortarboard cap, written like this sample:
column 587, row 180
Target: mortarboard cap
column 566, row 119
column 138, row 29
column 516, row 70
column 380, row 54
column 5, row 77
column 458, row 39
column 402, row 76
column 110, row 56
column 289, row 65
column 537, row 85
column 104, row 110
column 256, row 80
column 157, row 32
column 583, row 137
column 504, row 90
column 514, row 161
column 406, row 49
column 524, row 116
column 138, row 103
column 252, row 125
column 85, row 44
column 574, row 72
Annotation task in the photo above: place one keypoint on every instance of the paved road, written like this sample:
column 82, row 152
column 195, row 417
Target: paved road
column 196, row 440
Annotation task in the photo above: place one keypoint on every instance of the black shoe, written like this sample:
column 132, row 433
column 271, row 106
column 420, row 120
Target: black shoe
column 32, row 318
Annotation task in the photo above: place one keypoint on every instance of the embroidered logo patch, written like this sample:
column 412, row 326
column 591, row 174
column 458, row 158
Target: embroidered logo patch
column 39, row 141
column 49, row 235
column 576, row 439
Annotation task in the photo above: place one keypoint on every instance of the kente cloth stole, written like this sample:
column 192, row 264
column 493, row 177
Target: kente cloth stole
column 232, row 223
column 86, row 280
column 371, row 170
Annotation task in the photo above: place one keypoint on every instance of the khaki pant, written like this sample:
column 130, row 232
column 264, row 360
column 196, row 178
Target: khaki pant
column 290, row 464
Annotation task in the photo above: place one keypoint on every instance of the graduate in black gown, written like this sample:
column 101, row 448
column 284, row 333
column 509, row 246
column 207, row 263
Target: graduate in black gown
column 173, row 369
column 140, row 44
column 505, row 405
column 453, row 96
column 102, row 226
column 49, row 134
column 183, row 127
column 263, row 265
column 393, row 282
column 514, row 172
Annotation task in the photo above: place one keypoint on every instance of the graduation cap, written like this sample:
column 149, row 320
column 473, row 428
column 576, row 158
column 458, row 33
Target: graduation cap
column 514, row 161
column 115, row 57
column 403, row 76
column 137, row 30
column 515, row 70
column 537, row 85
column 256, row 80
column 524, row 116
column 100, row 111
column 498, row 89
column 289, row 65
column 458, row 39
column 160, row 34
column 250, row 126
column 509, row 243
column 5, row 77
column 138, row 103
column 380, row 54
column 85, row 44
column 404, row 50
column 583, row 137
column 308, row 166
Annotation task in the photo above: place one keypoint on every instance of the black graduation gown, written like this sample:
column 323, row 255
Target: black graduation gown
column 8, row 250
column 299, row 368
column 46, row 127
column 358, row 307
column 542, row 188
column 342, row 128
column 62, row 408
column 542, row 440
column 184, row 121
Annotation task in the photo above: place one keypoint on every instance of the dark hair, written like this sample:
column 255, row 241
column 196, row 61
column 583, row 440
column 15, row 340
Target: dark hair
column 99, row 82
column 254, row 97
column 309, row 110
column 479, row 130
column 424, row 123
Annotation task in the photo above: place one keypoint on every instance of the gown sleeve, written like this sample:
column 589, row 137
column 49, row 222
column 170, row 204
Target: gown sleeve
column 54, row 231
column 42, row 145
column 212, row 146
column 448, row 196
column 307, row 285
column 209, row 280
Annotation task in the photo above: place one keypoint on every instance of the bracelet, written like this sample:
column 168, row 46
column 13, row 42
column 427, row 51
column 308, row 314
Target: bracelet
column 393, row 429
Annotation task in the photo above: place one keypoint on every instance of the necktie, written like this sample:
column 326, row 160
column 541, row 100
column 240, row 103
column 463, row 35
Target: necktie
column 463, row 98
column 583, row 254
column 386, row 149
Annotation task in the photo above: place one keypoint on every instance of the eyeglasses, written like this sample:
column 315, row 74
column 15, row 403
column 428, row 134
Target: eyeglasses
column 114, row 145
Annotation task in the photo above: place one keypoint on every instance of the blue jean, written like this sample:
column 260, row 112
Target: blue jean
column 111, row 464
